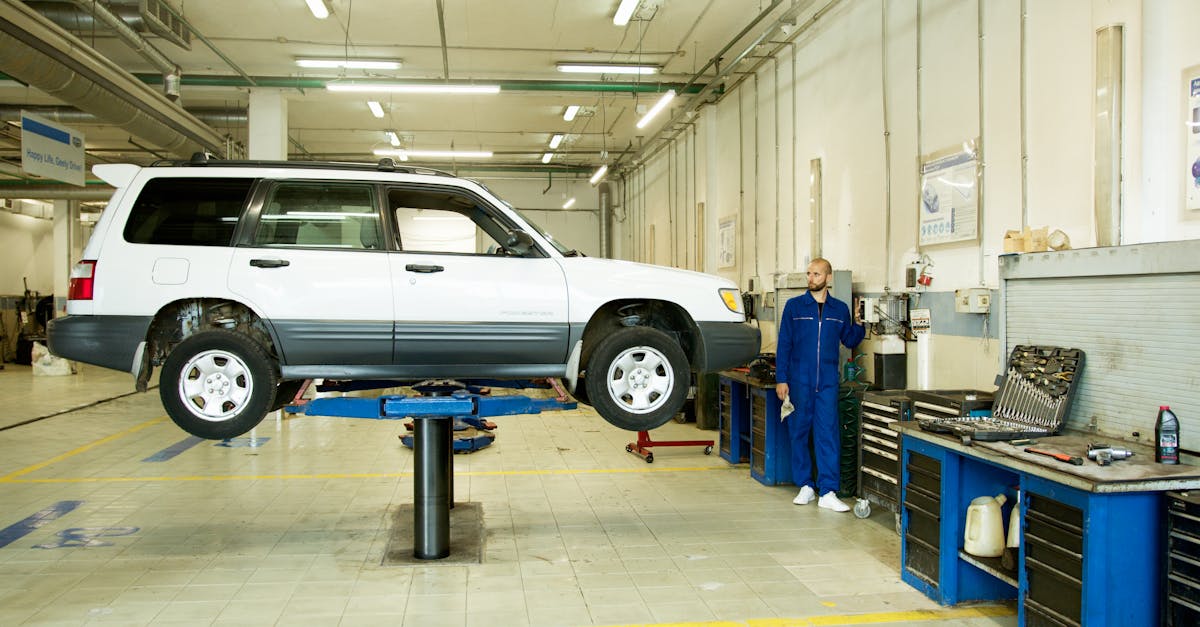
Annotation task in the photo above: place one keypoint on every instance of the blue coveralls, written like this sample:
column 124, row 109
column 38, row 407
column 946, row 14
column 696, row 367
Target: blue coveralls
column 806, row 358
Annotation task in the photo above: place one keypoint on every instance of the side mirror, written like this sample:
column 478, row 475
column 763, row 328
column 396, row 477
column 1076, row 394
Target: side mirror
column 519, row 243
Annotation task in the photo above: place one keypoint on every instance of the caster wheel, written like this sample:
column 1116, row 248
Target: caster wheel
column 628, row 448
column 649, row 459
column 862, row 508
column 708, row 450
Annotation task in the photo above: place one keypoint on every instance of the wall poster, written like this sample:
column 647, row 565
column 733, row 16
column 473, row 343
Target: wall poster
column 727, row 242
column 949, row 205
column 1191, row 78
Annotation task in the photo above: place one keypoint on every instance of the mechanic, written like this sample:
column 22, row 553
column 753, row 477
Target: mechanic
column 806, row 373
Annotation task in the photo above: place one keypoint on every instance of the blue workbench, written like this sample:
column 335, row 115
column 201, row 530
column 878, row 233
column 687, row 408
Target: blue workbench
column 1092, row 547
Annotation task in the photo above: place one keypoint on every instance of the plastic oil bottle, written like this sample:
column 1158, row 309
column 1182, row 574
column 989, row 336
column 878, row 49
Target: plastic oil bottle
column 1166, row 436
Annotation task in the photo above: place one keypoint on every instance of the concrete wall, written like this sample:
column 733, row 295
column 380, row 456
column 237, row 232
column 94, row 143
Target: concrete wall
column 852, row 93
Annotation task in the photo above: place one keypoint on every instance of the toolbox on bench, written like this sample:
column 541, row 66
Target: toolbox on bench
column 1032, row 399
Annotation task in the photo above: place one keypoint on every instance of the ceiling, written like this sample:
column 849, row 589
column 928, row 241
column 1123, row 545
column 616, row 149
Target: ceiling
column 239, row 45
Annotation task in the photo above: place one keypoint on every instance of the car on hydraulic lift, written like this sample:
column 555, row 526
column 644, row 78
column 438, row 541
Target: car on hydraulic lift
column 241, row 279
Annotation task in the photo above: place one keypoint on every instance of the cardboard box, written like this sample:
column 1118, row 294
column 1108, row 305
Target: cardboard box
column 1027, row 241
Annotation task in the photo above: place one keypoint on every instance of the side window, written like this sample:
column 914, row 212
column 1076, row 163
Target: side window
column 320, row 215
column 187, row 211
column 444, row 221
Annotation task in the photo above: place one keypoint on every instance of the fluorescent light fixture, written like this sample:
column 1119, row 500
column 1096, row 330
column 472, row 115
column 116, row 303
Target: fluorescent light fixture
column 569, row 203
column 570, row 113
column 606, row 68
column 392, row 137
column 409, row 88
column 434, row 154
column 319, row 9
column 556, row 140
column 375, row 107
column 547, row 156
column 349, row 64
column 624, row 12
column 656, row 109
column 598, row 175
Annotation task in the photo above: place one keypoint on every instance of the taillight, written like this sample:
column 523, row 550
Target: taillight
column 83, row 279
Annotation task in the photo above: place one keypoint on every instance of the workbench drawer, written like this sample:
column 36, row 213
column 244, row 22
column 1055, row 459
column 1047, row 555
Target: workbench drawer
column 1058, row 557
column 921, row 500
column 1182, row 614
column 1039, row 616
column 921, row 478
column 1183, row 566
column 1055, row 591
column 923, row 525
column 1183, row 589
column 1184, row 524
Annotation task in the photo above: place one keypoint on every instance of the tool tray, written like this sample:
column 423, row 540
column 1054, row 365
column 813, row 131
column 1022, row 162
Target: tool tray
column 1032, row 399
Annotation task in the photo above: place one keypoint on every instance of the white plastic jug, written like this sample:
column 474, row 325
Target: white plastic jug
column 983, row 535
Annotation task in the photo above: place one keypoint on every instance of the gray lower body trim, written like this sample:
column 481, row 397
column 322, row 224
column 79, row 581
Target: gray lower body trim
column 479, row 343
column 726, row 345
column 303, row 342
column 419, row 372
column 108, row 341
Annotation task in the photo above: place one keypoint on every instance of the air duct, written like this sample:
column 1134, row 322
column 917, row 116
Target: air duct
column 35, row 51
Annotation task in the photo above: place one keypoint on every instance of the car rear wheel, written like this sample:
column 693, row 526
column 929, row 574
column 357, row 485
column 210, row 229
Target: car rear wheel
column 218, row 384
column 637, row 378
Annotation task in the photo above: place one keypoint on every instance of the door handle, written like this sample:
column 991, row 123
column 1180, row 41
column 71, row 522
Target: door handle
column 269, row 263
column 417, row 267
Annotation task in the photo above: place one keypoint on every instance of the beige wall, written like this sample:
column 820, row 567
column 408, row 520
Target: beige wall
column 860, row 59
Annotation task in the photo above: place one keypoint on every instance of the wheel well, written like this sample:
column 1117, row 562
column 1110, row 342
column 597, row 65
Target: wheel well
column 181, row 319
column 659, row 314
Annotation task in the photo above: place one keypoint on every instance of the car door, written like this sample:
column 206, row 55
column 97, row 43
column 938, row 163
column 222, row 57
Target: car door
column 314, row 264
column 464, row 305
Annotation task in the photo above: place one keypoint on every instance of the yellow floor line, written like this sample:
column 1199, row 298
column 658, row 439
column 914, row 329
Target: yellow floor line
column 338, row 475
column 983, row 611
column 86, row 447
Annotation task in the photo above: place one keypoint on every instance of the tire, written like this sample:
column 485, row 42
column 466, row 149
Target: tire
column 218, row 384
column 637, row 378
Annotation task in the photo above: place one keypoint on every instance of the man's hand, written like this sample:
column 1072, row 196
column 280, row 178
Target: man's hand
column 857, row 310
column 781, row 390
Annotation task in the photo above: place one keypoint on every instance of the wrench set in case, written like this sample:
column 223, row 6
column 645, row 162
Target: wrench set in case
column 1032, row 400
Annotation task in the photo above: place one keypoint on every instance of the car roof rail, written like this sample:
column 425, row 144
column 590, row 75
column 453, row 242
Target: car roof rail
column 386, row 164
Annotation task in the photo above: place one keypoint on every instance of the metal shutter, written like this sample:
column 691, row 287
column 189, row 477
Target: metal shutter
column 1134, row 311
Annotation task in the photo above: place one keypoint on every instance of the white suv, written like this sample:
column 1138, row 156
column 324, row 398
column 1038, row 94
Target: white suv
column 239, row 280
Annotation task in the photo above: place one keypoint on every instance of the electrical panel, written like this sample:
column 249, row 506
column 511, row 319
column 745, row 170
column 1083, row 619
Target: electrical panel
column 976, row 300
column 792, row 280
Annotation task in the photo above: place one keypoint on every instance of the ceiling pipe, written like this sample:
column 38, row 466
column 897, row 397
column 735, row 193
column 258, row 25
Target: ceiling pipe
column 169, row 69
column 292, row 82
column 42, row 55
column 66, row 15
column 213, row 116
column 56, row 192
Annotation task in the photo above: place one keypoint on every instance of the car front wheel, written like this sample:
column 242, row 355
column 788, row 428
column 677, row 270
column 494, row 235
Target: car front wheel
column 218, row 384
column 637, row 378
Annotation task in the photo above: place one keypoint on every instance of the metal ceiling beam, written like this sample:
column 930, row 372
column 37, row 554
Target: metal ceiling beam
column 293, row 82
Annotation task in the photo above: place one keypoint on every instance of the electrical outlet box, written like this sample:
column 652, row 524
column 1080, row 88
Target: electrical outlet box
column 768, row 300
column 869, row 309
column 754, row 285
column 976, row 300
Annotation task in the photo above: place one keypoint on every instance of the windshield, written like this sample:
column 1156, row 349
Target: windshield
column 565, row 250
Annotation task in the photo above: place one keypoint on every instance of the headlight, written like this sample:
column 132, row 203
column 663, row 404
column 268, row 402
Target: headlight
column 732, row 301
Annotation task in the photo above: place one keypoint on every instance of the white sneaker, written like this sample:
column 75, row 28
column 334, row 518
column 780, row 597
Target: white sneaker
column 829, row 500
column 806, row 496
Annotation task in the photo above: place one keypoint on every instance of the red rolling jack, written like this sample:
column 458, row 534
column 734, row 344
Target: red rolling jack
column 641, row 448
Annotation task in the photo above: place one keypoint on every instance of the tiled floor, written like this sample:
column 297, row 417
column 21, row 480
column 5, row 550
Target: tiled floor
column 100, row 524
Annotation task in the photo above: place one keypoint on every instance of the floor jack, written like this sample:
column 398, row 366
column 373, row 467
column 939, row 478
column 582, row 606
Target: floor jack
column 434, row 415
column 641, row 448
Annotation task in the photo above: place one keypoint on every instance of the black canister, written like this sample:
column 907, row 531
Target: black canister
column 1166, row 436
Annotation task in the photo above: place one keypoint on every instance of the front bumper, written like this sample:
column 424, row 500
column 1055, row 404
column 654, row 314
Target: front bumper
column 726, row 345
column 108, row 341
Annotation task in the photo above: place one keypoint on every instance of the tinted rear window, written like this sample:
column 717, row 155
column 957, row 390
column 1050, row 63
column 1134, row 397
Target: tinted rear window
column 187, row 211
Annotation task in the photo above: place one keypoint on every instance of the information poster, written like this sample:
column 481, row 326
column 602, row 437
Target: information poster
column 1192, row 132
column 949, row 202
column 727, row 242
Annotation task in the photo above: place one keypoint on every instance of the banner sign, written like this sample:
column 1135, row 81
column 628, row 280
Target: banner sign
column 51, row 150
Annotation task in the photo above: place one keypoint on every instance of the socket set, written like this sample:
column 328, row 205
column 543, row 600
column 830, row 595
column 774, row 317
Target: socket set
column 1032, row 400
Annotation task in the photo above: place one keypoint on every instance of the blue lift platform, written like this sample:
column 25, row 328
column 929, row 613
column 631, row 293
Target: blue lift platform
column 437, row 413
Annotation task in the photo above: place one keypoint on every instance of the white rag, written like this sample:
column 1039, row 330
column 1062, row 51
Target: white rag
column 786, row 408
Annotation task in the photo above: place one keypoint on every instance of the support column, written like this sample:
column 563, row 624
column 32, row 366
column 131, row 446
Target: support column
column 431, row 488
column 268, row 128
column 67, row 249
